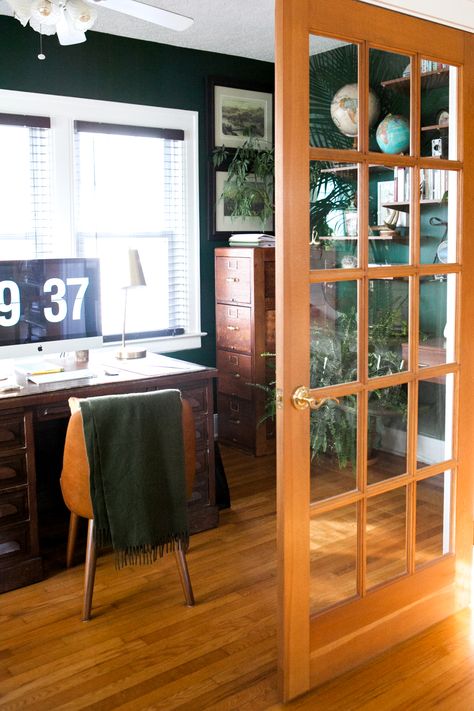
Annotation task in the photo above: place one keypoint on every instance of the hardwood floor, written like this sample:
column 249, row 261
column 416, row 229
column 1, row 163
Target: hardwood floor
column 144, row 649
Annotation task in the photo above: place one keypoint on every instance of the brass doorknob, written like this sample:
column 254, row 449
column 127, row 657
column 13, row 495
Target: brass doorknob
column 301, row 399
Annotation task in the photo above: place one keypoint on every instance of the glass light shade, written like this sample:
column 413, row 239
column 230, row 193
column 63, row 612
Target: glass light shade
column 41, row 27
column 81, row 15
column 44, row 12
column 21, row 10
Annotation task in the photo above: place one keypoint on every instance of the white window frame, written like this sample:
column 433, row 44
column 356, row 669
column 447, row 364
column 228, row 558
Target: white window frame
column 63, row 111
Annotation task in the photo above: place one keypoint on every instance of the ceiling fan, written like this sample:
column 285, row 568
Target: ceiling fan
column 70, row 19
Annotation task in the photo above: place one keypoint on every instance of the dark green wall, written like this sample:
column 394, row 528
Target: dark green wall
column 120, row 69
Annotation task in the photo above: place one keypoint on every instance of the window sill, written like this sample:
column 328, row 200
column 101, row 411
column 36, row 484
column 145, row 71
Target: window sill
column 166, row 344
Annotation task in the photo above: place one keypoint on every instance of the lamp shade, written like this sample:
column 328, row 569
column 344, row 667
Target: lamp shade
column 136, row 276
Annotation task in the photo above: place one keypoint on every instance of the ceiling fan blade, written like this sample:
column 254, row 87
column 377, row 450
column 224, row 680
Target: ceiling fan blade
column 66, row 32
column 156, row 15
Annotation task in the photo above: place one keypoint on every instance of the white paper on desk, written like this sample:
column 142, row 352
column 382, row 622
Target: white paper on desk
column 148, row 368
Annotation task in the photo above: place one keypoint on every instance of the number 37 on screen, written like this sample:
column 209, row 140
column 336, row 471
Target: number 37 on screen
column 59, row 297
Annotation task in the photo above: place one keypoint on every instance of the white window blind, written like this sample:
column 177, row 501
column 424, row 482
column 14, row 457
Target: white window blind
column 130, row 192
column 95, row 179
column 25, row 187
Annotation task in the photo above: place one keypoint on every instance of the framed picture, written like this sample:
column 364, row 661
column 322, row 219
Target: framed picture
column 237, row 112
column 223, row 223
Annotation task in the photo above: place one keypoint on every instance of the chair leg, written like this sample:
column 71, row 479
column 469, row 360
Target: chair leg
column 71, row 539
column 184, row 576
column 89, row 572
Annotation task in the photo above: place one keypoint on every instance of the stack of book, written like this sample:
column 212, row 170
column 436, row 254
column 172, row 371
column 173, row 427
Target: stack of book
column 252, row 240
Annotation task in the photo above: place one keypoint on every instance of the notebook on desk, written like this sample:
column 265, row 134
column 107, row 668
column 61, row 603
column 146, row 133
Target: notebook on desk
column 61, row 376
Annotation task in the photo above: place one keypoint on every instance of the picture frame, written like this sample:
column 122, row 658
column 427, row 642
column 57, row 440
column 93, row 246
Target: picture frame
column 223, row 224
column 237, row 110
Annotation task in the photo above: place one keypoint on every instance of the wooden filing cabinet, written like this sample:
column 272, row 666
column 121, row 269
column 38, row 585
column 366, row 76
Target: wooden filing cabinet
column 245, row 328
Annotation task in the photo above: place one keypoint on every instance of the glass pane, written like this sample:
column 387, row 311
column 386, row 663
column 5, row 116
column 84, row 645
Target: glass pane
column 435, row 420
column 437, row 319
column 333, row 557
column 333, row 93
column 389, row 120
column 387, row 433
column 333, row 215
column 438, row 216
column 389, row 218
column 333, row 323
column 433, row 507
column 386, row 536
column 333, row 442
column 388, row 325
column 438, row 109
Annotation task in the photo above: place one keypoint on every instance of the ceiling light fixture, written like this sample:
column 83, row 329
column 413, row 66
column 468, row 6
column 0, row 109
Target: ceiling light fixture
column 69, row 19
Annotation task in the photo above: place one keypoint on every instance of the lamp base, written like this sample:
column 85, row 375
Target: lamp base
column 130, row 353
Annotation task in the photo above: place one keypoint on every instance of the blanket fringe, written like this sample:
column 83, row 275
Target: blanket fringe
column 142, row 554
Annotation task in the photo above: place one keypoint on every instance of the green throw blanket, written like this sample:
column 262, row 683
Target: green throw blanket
column 137, row 477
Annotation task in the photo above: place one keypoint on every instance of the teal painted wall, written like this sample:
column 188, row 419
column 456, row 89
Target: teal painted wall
column 120, row 69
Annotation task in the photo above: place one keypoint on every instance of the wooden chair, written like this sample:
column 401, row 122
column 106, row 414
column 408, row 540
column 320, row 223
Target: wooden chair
column 76, row 494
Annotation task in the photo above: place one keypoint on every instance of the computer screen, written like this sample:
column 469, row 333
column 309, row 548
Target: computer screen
column 49, row 306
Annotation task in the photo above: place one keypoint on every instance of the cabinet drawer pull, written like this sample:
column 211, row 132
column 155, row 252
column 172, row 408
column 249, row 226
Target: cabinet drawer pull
column 233, row 328
column 236, row 375
column 232, row 280
column 233, row 421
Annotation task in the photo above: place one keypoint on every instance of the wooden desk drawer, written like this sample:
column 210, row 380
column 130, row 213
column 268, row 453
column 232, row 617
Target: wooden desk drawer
column 233, row 279
column 235, row 374
column 13, row 507
column 54, row 411
column 14, row 541
column 197, row 396
column 233, row 328
column 202, row 434
column 12, row 471
column 12, row 432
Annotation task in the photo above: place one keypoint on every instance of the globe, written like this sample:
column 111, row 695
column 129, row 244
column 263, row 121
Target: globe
column 345, row 109
column 393, row 134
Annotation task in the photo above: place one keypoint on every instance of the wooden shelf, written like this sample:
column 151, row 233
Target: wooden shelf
column 405, row 206
column 350, row 169
column 343, row 238
column 431, row 80
column 436, row 127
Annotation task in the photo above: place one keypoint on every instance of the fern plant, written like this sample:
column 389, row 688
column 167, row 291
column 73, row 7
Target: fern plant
column 250, row 177
column 333, row 360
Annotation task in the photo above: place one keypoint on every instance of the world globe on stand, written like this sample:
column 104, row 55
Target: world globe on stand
column 345, row 109
column 393, row 134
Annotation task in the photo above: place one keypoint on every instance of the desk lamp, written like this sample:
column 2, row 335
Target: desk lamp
column 135, row 278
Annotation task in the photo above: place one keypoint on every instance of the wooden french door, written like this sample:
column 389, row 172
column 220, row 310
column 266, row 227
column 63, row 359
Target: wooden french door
column 375, row 298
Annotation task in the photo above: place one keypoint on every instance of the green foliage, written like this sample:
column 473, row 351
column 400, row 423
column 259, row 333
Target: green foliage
column 248, row 190
column 328, row 192
column 333, row 360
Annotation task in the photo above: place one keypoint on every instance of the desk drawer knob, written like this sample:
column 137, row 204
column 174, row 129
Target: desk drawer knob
column 233, row 328
column 232, row 280
column 236, row 375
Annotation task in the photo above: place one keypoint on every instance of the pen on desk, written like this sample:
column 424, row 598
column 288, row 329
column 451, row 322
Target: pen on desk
column 47, row 371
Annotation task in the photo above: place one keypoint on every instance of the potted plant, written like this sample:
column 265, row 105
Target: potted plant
column 333, row 360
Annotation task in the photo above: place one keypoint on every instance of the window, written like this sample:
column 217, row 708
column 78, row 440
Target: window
column 91, row 178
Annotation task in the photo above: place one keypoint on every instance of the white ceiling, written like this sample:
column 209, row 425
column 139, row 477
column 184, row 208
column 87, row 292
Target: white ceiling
column 245, row 28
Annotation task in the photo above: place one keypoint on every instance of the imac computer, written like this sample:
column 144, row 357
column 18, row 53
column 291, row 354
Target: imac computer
column 49, row 306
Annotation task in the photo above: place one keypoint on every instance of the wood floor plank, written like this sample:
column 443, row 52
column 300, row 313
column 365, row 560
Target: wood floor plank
column 144, row 649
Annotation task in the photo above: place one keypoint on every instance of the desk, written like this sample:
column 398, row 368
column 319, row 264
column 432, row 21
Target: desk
column 24, row 413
